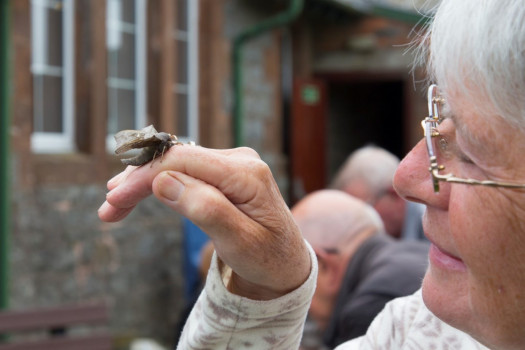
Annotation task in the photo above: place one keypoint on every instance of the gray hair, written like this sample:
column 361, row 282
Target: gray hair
column 477, row 48
column 371, row 165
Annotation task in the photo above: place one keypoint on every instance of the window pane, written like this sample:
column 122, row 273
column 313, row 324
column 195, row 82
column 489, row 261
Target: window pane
column 121, row 60
column 47, row 104
column 126, row 33
column 121, row 11
column 127, row 54
column 182, row 115
column 46, row 34
column 128, row 11
column 54, row 44
column 113, row 21
column 182, row 62
column 121, row 106
column 181, row 14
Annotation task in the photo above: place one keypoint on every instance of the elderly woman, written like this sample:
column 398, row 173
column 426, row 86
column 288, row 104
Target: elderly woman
column 473, row 294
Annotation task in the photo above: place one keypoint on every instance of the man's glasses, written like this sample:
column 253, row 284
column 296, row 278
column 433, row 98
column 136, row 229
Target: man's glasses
column 431, row 132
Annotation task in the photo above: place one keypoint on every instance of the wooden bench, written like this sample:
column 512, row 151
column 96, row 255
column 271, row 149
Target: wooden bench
column 57, row 323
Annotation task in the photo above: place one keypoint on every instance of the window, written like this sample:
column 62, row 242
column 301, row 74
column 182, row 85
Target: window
column 126, row 45
column 52, row 45
column 185, row 87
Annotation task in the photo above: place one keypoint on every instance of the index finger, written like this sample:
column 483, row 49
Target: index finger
column 215, row 167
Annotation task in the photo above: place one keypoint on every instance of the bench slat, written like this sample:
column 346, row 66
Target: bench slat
column 52, row 317
column 92, row 342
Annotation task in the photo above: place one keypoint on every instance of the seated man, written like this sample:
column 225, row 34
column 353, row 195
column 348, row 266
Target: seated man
column 360, row 267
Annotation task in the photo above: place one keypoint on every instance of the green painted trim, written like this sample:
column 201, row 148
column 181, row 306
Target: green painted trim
column 4, row 154
column 279, row 20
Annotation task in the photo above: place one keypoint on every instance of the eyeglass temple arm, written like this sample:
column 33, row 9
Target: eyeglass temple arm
column 451, row 178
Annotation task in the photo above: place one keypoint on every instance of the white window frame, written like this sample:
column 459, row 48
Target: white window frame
column 56, row 142
column 191, row 36
column 139, row 84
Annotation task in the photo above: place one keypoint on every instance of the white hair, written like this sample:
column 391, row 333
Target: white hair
column 371, row 165
column 477, row 48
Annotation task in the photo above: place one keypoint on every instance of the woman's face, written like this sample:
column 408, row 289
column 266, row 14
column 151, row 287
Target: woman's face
column 476, row 278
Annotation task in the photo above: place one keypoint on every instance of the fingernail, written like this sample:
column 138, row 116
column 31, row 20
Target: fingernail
column 170, row 187
column 103, row 207
column 115, row 179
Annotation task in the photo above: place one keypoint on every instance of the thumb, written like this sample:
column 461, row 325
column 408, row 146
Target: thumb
column 168, row 188
column 203, row 204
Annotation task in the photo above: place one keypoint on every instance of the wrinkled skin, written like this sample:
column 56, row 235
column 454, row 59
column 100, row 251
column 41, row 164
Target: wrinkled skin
column 233, row 197
column 476, row 278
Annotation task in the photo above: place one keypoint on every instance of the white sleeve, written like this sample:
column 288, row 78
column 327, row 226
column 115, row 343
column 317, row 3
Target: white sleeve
column 391, row 327
column 222, row 320
column 406, row 323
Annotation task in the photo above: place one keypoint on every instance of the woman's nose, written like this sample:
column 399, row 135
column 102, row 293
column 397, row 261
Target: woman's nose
column 413, row 181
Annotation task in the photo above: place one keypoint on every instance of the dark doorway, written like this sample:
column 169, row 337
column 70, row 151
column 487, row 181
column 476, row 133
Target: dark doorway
column 360, row 113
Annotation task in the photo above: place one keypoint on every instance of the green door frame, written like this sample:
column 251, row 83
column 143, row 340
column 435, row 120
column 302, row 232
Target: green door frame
column 4, row 154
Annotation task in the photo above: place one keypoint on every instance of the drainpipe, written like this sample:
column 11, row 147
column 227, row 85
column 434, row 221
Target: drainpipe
column 4, row 153
column 279, row 20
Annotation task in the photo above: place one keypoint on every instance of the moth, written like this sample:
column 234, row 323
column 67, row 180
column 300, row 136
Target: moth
column 152, row 143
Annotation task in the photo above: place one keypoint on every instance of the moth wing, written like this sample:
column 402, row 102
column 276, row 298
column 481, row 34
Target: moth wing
column 149, row 131
column 145, row 155
column 130, row 139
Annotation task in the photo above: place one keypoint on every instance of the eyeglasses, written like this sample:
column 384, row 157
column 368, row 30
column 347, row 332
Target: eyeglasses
column 430, row 130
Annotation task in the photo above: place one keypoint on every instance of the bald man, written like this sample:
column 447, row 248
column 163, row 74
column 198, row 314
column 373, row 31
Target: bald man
column 360, row 267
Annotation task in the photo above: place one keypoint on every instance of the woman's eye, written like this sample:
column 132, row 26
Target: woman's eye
column 449, row 150
column 445, row 149
column 463, row 158
column 443, row 144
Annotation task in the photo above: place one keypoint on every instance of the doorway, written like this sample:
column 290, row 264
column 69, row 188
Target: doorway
column 361, row 113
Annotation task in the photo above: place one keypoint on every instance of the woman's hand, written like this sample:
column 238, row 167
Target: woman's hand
column 232, row 196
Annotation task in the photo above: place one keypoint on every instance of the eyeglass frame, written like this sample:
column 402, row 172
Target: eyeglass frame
column 429, row 125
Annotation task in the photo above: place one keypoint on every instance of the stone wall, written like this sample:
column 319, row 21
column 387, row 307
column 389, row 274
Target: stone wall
column 62, row 253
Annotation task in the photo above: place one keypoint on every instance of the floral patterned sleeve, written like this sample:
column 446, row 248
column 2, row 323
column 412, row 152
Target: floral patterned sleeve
column 222, row 320
column 406, row 323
